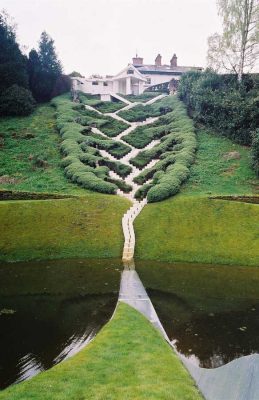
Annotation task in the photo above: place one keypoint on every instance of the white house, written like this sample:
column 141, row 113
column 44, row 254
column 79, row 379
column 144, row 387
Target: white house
column 134, row 79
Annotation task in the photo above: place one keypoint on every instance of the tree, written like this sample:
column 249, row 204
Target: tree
column 12, row 61
column 47, row 55
column 237, row 49
column 45, row 70
column 75, row 74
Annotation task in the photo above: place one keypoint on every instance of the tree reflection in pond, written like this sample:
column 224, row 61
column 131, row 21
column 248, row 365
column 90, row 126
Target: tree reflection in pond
column 57, row 307
column 211, row 313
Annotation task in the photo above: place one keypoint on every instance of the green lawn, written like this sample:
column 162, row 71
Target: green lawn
column 198, row 229
column 213, row 174
column 89, row 227
column 121, row 363
column 24, row 143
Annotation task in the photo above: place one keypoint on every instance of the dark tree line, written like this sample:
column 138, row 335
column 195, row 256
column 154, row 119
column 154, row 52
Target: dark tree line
column 26, row 79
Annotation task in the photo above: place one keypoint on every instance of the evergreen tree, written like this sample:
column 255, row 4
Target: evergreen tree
column 12, row 61
column 48, row 57
column 44, row 69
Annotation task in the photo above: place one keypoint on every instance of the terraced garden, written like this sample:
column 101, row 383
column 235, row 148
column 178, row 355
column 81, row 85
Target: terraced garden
column 101, row 152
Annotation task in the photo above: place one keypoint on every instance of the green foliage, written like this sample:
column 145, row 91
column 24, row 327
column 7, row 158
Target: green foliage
column 142, row 98
column 45, row 71
column 143, row 135
column 219, row 101
column 12, row 61
column 102, row 106
column 175, row 152
column 141, row 112
column 122, row 185
column 215, row 172
column 16, row 101
column 255, row 152
column 83, row 163
column 26, row 140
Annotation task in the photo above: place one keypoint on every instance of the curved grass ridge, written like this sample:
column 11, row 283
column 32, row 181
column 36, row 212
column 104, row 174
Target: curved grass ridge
column 83, row 163
column 121, row 363
column 175, row 153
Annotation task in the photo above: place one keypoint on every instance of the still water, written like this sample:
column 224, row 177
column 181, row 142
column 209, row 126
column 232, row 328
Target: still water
column 50, row 310
column 210, row 313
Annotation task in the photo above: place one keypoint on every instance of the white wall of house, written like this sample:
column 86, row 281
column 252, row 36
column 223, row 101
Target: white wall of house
column 158, row 79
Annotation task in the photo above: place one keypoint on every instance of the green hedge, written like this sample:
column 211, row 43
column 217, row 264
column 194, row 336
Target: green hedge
column 83, row 163
column 175, row 152
column 141, row 112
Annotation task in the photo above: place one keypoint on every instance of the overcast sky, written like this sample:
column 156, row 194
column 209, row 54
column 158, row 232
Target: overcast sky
column 101, row 36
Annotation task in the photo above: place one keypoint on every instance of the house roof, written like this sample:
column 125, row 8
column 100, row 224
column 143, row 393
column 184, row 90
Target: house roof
column 123, row 73
column 165, row 69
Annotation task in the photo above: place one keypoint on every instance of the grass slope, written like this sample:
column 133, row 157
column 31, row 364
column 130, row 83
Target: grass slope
column 64, row 228
column 197, row 229
column 121, row 363
column 212, row 173
column 24, row 143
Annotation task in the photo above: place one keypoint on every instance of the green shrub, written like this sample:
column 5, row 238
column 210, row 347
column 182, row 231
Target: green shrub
column 142, row 191
column 122, row 185
column 255, row 152
column 116, row 166
column 221, row 102
column 176, row 152
column 16, row 101
column 141, row 112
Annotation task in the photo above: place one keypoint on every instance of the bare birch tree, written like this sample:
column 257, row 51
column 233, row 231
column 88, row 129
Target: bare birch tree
column 237, row 48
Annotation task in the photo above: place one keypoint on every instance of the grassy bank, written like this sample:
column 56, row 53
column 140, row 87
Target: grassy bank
column 198, row 229
column 30, row 156
column 118, row 364
column 64, row 228
column 216, row 172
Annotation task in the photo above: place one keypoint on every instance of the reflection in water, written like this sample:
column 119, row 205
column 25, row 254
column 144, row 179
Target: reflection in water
column 45, row 319
column 211, row 313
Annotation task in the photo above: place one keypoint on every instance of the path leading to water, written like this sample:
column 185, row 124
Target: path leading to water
column 237, row 380
column 137, row 206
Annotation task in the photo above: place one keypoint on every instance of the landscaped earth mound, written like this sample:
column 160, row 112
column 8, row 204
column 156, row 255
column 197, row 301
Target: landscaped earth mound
column 137, row 150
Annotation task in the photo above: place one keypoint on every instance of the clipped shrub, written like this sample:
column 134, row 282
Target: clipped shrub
column 16, row 101
column 142, row 191
column 122, row 185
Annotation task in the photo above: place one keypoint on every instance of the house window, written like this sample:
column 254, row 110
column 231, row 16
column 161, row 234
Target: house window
column 95, row 83
column 105, row 83
column 130, row 72
column 148, row 81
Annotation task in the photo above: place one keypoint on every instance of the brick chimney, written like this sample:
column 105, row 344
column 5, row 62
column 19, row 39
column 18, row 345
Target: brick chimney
column 158, row 60
column 173, row 61
column 137, row 60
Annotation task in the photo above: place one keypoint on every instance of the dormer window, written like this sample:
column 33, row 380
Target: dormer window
column 130, row 72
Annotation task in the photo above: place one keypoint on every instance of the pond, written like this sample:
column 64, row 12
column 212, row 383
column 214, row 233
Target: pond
column 50, row 310
column 210, row 313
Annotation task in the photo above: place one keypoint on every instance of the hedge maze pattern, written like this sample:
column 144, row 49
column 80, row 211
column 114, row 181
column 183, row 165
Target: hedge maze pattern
column 141, row 150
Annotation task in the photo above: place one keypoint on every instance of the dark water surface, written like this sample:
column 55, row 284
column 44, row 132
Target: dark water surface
column 50, row 310
column 210, row 313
